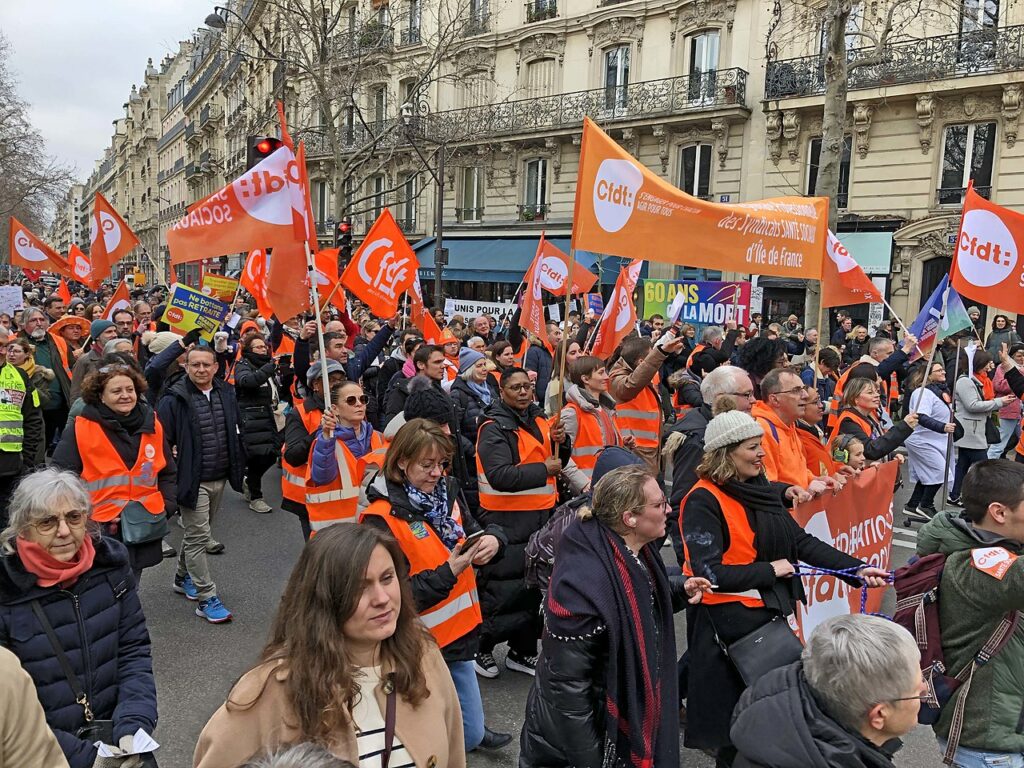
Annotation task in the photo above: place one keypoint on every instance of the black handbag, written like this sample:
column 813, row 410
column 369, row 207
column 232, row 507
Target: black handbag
column 770, row 646
column 992, row 429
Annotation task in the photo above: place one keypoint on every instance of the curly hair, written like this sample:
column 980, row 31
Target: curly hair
column 112, row 366
column 761, row 354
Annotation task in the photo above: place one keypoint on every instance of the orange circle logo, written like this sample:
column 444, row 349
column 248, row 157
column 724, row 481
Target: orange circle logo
column 175, row 315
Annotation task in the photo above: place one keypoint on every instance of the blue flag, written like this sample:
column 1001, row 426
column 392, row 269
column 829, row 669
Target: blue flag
column 926, row 326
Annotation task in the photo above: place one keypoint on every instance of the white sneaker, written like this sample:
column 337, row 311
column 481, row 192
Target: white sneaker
column 259, row 505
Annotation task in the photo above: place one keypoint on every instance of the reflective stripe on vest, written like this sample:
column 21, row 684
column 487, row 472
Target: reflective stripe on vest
column 338, row 500
column 12, row 395
column 459, row 613
column 741, row 549
column 293, row 478
column 530, row 452
column 849, row 415
column 590, row 438
column 641, row 418
column 110, row 483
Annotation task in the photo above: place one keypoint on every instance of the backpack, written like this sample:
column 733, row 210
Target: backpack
column 917, row 611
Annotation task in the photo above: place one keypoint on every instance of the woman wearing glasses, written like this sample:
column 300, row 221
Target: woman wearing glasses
column 59, row 576
column 118, row 447
column 417, row 502
column 862, row 401
column 345, row 455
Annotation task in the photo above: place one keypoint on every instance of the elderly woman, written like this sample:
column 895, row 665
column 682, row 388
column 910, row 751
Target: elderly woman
column 345, row 648
column 602, row 693
column 473, row 391
column 739, row 534
column 60, row 577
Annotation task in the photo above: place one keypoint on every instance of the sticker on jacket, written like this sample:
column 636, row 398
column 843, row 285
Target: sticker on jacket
column 995, row 561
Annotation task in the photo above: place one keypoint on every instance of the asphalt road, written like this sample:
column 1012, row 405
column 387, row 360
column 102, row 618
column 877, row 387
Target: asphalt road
column 196, row 663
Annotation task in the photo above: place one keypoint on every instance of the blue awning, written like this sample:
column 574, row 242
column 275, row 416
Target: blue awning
column 489, row 259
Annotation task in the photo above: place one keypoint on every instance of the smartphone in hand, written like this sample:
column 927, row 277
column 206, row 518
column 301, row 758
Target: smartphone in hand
column 470, row 540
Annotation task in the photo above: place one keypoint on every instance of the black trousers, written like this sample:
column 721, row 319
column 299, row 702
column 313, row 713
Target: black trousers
column 54, row 420
column 923, row 496
column 255, row 467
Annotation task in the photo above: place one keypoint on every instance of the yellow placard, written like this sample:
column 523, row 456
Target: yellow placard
column 188, row 308
column 219, row 287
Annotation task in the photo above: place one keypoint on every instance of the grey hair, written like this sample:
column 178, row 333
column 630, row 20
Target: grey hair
column 854, row 662
column 711, row 333
column 37, row 496
column 720, row 381
column 111, row 346
column 31, row 312
column 474, row 339
column 305, row 755
column 620, row 490
column 5, row 334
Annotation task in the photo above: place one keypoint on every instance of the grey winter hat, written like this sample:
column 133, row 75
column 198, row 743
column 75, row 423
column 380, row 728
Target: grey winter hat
column 730, row 428
column 333, row 366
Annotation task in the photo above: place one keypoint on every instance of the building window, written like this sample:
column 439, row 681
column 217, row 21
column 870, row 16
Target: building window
column 616, row 77
column 539, row 10
column 322, row 208
column 814, row 155
column 472, row 195
column 377, row 185
column 411, row 29
column 703, row 50
column 474, row 89
column 979, row 20
column 379, row 97
column 695, row 170
column 535, row 195
column 540, row 78
column 407, row 203
column 967, row 155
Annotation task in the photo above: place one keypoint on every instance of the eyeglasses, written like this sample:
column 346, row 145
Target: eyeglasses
column 520, row 387
column 75, row 519
column 749, row 395
column 924, row 698
column 430, row 466
column 793, row 391
column 113, row 367
column 656, row 504
column 351, row 400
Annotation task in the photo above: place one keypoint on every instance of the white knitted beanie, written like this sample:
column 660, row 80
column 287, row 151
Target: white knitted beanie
column 730, row 428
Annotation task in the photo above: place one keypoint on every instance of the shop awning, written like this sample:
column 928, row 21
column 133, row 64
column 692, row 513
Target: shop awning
column 488, row 259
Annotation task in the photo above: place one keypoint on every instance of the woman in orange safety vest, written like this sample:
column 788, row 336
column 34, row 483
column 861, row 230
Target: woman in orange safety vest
column 503, row 355
column 117, row 446
column 860, row 403
column 416, row 500
column 589, row 419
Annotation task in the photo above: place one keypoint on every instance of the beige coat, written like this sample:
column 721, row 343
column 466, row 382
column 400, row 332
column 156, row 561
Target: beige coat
column 26, row 741
column 431, row 732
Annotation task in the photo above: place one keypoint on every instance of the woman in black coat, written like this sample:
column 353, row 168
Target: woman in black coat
column 257, row 398
column 54, row 560
column 472, row 391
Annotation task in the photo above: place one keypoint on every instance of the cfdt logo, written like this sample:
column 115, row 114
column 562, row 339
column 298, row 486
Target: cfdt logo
column 615, row 191
column 26, row 248
column 623, row 316
column 81, row 267
column 391, row 270
column 259, row 190
column 108, row 226
column 553, row 273
column 986, row 253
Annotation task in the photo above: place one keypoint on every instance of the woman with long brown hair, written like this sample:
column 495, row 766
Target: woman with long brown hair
column 348, row 666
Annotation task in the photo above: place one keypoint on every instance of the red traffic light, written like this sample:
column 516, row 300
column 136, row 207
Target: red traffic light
column 264, row 147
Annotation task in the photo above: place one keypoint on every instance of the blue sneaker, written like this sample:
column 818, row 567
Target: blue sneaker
column 184, row 586
column 213, row 611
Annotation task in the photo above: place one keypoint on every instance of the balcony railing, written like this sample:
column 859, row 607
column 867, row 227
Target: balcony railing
column 204, row 79
column 536, row 212
column 478, row 23
column 469, row 215
column 410, row 36
column 955, row 195
column 539, row 10
column 409, row 225
column 178, row 165
column 192, row 171
column 908, row 61
column 190, row 133
column 209, row 115
column 369, row 38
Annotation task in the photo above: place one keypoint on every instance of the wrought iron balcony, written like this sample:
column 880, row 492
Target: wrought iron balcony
column 469, row 215
column 192, row 171
column 366, row 39
column 908, row 61
column 539, row 10
column 204, row 79
column 190, row 133
column 955, row 195
column 178, row 165
column 536, row 212
column 209, row 115
column 478, row 23
column 409, row 225
column 410, row 36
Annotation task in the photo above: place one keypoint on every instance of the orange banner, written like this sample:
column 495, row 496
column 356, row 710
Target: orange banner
column 625, row 209
column 554, row 270
column 116, row 242
column 987, row 264
column 419, row 315
column 383, row 268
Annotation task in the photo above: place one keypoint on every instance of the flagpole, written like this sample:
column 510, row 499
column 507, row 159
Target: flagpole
column 565, row 325
column 952, row 415
column 315, row 294
column 935, row 346
column 822, row 317
column 405, row 308
column 903, row 325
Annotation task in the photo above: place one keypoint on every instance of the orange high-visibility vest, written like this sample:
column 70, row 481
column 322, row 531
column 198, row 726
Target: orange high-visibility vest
column 111, row 484
column 641, row 417
column 590, row 438
column 678, row 406
column 520, row 355
column 849, row 415
column 741, row 549
column 287, row 345
column 338, row 500
column 459, row 613
column 530, row 452
column 819, row 462
column 63, row 352
column 835, row 405
column 293, row 478
column 696, row 351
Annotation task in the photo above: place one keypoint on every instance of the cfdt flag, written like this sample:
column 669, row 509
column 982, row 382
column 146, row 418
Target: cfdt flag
column 383, row 268
column 532, row 316
column 27, row 250
column 927, row 327
column 842, row 279
column 109, row 237
column 619, row 316
column 553, row 265
column 419, row 315
column 987, row 264
column 254, row 280
column 120, row 300
column 80, row 265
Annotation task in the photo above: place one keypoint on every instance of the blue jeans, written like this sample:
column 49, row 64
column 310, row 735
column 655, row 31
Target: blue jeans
column 468, row 689
column 975, row 758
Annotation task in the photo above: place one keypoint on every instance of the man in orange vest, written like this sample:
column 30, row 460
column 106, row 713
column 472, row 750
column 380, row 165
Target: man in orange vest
column 715, row 348
column 888, row 361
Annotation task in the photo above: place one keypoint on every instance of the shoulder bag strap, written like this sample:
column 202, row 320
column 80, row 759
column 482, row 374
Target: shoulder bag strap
column 65, row 665
column 389, row 726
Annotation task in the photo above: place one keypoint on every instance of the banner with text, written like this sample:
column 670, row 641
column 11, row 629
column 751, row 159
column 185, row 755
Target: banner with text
column 700, row 302
column 219, row 287
column 859, row 529
column 470, row 309
column 188, row 308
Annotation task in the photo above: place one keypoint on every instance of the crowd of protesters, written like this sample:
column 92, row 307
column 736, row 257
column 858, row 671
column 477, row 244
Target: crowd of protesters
column 485, row 496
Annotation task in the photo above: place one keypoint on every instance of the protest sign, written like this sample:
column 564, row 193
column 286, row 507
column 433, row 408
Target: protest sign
column 11, row 299
column 188, row 308
column 594, row 302
column 704, row 303
column 219, row 287
column 861, row 529
column 470, row 309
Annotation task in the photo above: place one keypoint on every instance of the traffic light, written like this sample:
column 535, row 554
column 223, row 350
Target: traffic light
column 258, row 148
column 344, row 240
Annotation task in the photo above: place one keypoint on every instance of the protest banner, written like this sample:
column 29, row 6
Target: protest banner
column 219, row 287
column 863, row 530
column 704, row 302
column 470, row 309
column 11, row 299
column 188, row 308
column 594, row 302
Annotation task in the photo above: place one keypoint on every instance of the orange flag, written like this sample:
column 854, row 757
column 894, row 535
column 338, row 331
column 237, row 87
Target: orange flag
column 842, row 280
column 383, row 268
column 63, row 291
column 257, row 210
column 987, row 264
column 625, row 209
column 419, row 315
column 532, row 316
column 173, row 277
column 116, row 241
column 120, row 300
column 80, row 265
column 253, row 279
column 619, row 316
column 553, row 264
column 27, row 250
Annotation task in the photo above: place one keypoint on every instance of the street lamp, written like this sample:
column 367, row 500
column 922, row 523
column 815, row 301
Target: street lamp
column 409, row 114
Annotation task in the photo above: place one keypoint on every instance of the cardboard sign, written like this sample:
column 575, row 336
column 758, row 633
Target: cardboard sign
column 11, row 299
column 470, row 309
column 219, row 287
column 188, row 308
column 703, row 303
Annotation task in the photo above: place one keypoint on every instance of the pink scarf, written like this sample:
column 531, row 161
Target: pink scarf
column 48, row 570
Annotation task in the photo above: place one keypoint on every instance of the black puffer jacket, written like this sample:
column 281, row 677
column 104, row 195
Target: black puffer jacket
column 255, row 395
column 432, row 586
column 508, row 604
column 470, row 406
column 809, row 738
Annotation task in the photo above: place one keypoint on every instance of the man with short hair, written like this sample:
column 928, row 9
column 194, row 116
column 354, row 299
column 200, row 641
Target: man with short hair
column 35, row 324
column 842, row 332
column 715, row 348
column 428, row 361
column 336, row 347
column 889, row 363
column 55, row 308
column 982, row 582
column 828, row 373
column 124, row 322
column 200, row 417
column 101, row 331
column 143, row 316
column 856, row 689
column 481, row 326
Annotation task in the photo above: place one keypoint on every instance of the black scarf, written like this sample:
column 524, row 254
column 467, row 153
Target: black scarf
column 774, row 535
column 130, row 422
column 257, row 360
column 597, row 582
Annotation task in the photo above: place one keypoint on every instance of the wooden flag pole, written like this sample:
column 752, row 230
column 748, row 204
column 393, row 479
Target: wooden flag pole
column 565, row 336
column 315, row 295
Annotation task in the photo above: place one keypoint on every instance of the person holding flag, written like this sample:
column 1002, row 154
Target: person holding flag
column 34, row 326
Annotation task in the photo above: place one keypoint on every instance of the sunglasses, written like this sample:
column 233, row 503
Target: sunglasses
column 351, row 400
